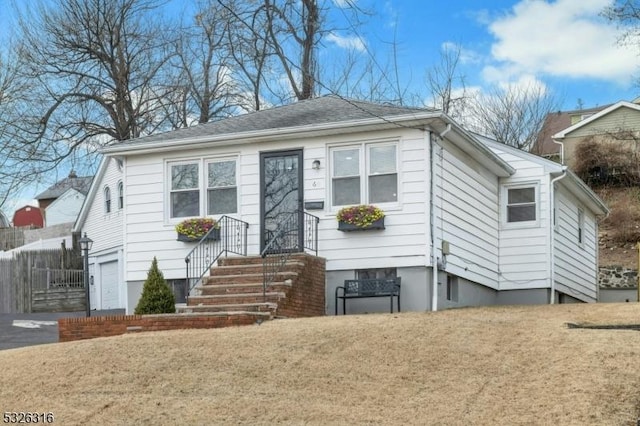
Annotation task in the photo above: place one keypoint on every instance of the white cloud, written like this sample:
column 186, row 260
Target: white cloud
column 565, row 38
column 347, row 42
column 467, row 56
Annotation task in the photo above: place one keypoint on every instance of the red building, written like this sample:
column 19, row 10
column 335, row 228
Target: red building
column 28, row 216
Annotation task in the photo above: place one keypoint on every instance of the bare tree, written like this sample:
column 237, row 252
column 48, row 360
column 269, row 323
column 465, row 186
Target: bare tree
column 96, row 64
column 513, row 114
column 626, row 14
column 446, row 85
column 202, row 86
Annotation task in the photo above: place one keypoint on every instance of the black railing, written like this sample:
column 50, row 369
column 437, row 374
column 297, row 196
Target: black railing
column 230, row 237
column 289, row 237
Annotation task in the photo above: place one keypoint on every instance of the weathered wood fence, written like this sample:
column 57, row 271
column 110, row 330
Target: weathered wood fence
column 42, row 281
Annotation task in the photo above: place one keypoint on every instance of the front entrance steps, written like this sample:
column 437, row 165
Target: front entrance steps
column 235, row 286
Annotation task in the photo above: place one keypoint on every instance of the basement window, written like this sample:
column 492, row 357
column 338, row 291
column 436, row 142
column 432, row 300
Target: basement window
column 452, row 288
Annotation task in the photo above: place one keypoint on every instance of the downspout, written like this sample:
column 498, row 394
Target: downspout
column 432, row 189
column 552, row 236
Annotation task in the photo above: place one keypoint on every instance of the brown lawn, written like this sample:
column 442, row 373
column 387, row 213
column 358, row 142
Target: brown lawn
column 499, row 365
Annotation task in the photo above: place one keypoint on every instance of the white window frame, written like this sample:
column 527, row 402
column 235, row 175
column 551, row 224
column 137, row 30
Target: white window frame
column 203, row 183
column 505, row 200
column 120, row 187
column 363, row 169
column 106, row 192
column 206, row 183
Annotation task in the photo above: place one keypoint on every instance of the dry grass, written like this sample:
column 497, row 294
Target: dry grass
column 500, row 365
column 620, row 231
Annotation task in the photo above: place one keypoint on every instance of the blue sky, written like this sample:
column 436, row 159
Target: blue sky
column 563, row 45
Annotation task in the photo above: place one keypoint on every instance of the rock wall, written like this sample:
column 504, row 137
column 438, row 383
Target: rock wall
column 616, row 276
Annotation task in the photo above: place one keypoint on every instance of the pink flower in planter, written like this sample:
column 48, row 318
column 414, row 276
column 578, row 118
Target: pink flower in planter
column 363, row 215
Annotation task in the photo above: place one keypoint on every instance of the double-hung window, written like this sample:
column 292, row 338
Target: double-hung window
column 222, row 191
column 202, row 187
column 365, row 173
column 184, row 193
column 521, row 204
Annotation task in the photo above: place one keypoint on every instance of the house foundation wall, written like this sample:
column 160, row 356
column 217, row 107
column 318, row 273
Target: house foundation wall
column 617, row 295
column 415, row 293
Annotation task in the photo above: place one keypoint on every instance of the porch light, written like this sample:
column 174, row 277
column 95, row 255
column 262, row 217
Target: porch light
column 315, row 165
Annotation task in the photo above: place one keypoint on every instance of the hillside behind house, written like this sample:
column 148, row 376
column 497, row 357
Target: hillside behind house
column 481, row 366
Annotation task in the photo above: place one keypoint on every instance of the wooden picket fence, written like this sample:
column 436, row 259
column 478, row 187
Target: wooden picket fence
column 41, row 281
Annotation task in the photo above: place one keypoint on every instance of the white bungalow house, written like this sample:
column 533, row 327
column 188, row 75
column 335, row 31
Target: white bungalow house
column 101, row 219
column 468, row 221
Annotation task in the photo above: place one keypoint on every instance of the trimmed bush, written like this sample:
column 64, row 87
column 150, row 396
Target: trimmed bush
column 157, row 297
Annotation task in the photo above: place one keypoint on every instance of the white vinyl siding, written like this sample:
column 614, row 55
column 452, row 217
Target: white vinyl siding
column 524, row 247
column 105, row 229
column 575, row 272
column 150, row 232
column 467, row 215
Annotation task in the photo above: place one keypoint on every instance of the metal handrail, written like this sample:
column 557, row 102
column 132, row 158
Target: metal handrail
column 229, row 237
column 286, row 241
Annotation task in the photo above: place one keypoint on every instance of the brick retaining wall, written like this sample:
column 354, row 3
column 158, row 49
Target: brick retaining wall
column 70, row 329
column 306, row 298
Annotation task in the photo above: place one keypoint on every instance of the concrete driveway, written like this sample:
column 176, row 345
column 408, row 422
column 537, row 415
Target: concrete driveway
column 19, row 330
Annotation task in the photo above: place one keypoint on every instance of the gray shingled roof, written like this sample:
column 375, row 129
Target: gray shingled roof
column 81, row 184
column 322, row 110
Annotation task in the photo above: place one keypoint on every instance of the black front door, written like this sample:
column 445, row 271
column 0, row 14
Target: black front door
column 281, row 200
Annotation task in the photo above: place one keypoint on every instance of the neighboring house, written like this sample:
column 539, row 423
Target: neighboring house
column 73, row 189
column 555, row 122
column 619, row 122
column 468, row 222
column 101, row 219
column 65, row 208
column 28, row 216
column 4, row 222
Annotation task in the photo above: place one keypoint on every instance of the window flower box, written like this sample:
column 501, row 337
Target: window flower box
column 360, row 218
column 191, row 230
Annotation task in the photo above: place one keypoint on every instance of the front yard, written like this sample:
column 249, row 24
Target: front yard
column 498, row 365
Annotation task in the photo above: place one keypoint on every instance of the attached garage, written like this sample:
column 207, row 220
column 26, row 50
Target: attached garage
column 109, row 283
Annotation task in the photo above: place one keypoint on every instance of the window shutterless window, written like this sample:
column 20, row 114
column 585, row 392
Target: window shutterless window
column 222, row 190
column 382, row 176
column 365, row 173
column 120, row 195
column 521, row 204
column 345, row 176
column 580, row 226
column 184, row 193
column 107, row 200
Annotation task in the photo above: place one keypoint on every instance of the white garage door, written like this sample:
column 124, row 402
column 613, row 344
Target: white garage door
column 109, row 285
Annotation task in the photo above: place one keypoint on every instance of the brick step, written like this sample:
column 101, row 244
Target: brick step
column 225, row 299
column 251, row 268
column 240, row 260
column 263, row 310
column 250, row 260
column 245, row 278
column 242, row 288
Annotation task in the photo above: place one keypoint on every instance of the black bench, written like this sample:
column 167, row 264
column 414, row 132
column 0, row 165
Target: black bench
column 373, row 287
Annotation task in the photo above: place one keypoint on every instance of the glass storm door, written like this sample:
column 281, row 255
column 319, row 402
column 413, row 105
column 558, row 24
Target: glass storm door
column 281, row 200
